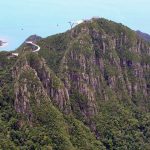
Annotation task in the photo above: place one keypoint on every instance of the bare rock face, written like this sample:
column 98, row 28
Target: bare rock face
column 93, row 64
column 95, row 77
column 34, row 80
column 98, row 62
column 27, row 87
column 52, row 84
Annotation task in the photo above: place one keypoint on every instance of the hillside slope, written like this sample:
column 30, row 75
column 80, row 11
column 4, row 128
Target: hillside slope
column 86, row 89
column 145, row 36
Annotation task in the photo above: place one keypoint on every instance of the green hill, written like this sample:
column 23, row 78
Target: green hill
column 86, row 89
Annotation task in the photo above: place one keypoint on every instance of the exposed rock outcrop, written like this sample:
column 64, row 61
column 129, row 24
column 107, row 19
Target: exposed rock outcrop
column 102, row 61
column 32, row 74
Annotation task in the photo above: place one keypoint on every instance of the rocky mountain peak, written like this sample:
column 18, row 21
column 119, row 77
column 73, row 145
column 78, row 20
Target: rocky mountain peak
column 87, row 88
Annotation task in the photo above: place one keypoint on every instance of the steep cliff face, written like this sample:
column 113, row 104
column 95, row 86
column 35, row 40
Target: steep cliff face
column 39, row 94
column 95, row 76
column 27, row 86
column 102, row 60
column 30, row 67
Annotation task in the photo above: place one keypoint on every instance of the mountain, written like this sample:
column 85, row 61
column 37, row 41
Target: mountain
column 34, row 38
column 86, row 89
column 145, row 36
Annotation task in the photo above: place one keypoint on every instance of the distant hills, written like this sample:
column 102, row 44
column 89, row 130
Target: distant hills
column 145, row 36
column 34, row 38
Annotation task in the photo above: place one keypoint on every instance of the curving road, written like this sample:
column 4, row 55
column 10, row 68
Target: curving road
column 38, row 47
column 29, row 42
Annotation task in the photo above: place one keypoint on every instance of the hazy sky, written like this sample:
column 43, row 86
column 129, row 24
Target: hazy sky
column 22, row 18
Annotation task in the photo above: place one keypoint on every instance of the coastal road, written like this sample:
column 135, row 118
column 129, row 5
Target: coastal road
column 29, row 42
column 38, row 47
